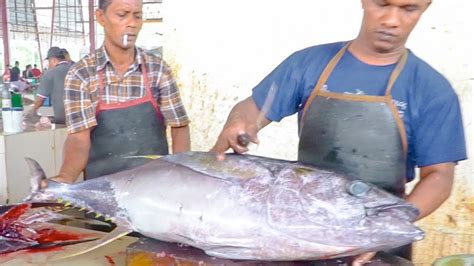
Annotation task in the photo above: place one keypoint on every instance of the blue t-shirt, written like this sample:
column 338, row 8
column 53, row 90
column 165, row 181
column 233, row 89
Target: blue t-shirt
column 14, row 74
column 425, row 100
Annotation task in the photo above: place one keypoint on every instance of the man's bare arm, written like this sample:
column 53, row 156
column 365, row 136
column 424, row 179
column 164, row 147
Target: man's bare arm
column 76, row 155
column 38, row 103
column 436, row 182
column 180, row 139
column 245, row 117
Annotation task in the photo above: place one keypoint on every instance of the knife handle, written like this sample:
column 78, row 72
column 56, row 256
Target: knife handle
column 243, row 139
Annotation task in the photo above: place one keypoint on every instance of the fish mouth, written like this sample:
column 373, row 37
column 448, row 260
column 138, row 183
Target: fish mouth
column 402, row 210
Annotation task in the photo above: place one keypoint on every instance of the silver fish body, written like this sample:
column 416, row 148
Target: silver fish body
column 247, row 207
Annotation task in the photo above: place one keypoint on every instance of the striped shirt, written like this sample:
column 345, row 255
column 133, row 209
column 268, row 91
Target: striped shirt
column 81, row 89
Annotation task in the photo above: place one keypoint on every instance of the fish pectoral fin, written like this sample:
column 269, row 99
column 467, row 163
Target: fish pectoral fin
column 82, row 248
column 63, row 243
column 151, row 157
column 37, row 175
column 68, row 219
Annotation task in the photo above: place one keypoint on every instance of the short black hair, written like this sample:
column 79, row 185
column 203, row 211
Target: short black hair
column 103, row 4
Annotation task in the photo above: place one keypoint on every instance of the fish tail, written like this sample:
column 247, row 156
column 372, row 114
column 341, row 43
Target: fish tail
column 37, row 175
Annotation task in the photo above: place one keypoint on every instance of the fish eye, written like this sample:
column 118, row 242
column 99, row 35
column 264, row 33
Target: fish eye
column 357, row 188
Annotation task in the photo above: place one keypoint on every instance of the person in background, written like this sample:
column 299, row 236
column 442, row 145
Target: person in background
column 36, row 72
column 15, row 72
column 52, row 84
column 119, row 101
column 68, row 57
column 6, row 76
column 27, row 72
column 368, row 108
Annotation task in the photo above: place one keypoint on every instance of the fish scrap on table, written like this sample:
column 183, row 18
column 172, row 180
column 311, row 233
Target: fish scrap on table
column 23, row 226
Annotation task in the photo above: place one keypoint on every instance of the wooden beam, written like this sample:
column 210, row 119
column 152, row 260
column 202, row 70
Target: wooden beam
column 5, row 37
column 91, row 26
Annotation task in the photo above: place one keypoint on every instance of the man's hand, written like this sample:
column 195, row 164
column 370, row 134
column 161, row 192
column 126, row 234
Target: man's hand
column 243, row 120
column 58, row 178
column 30, row 116
column 229, row 139
column 363, row 259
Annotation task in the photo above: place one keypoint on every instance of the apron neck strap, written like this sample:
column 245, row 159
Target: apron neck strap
column 330, row 67
column 396, row 72
column 332, row 64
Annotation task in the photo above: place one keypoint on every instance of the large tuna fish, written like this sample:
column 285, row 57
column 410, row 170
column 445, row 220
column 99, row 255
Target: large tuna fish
column 246, row 207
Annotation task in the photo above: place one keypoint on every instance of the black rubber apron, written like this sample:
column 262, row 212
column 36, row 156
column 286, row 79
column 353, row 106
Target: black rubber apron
column 358, row 135
column 125, row 129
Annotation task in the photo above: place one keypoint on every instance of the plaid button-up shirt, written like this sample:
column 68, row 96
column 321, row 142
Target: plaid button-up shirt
column 81, row 89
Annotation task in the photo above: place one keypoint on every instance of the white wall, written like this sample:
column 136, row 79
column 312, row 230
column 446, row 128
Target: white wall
column 221, row 49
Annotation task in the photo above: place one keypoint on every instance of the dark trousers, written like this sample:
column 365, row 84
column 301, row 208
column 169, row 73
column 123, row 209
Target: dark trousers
column 403, row 251
column 388, row 257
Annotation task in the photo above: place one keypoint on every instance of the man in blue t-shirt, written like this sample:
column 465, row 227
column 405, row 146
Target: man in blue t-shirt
column 368, row 108
column 15, row 72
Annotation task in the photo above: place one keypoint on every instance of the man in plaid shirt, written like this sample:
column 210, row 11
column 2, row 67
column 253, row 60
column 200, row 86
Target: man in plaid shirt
column 119, row 101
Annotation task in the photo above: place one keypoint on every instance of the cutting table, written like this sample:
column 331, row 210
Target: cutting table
column 143, row 251
column 148, row 251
